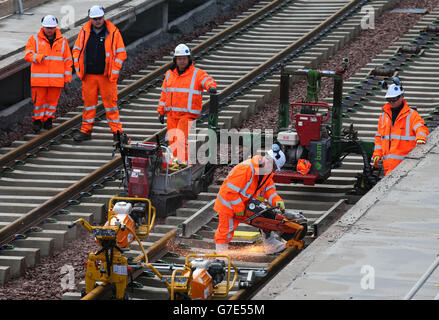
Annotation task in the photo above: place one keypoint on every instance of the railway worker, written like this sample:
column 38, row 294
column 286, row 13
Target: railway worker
column 400, row 129
column 248, row 180
column 51, row 69
column 98, row 54
column 181, row 99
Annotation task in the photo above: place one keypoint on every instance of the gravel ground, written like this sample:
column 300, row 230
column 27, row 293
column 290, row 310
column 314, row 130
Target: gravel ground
column 44, row 281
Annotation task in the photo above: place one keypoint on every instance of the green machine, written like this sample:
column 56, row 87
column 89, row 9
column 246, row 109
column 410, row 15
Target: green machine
column 315, row 133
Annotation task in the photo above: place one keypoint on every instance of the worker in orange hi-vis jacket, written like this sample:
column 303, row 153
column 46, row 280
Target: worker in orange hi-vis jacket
column 98, row 55
column 400, row 129
column 51, row 68
column 248, row 180
column 181, row 99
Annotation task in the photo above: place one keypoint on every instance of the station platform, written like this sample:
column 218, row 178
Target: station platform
column 381, row 247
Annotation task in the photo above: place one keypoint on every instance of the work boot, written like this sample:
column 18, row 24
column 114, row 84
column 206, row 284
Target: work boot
column 36, row 125
column 81, row 136
column 221, row 248
column 271, row 244
column 48, row 124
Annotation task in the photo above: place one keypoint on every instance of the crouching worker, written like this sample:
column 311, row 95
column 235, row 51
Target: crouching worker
column 248, row 180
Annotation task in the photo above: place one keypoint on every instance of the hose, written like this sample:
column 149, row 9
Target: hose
column 367, row 169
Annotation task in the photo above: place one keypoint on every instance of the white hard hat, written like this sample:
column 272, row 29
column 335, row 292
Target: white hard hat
column 278, row 156
column 394, row 91
column 182, row 50
column 96, row 12
column 49, row 21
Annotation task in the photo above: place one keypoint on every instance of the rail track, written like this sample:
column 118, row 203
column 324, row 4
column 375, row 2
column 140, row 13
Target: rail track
column 50, row 174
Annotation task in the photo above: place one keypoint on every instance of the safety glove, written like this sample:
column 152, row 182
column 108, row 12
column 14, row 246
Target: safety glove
column 281, row 205
column 420, row 141
column 240, row 214
column 162, row 118
column 212, row 90
column 375, row 161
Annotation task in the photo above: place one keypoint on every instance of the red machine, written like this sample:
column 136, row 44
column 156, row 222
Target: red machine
column 150, row 173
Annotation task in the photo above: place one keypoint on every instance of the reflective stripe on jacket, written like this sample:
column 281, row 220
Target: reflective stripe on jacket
column 241, row 185
column 393, row 143
column 115, row 53
column 183, row 93
column 56, row 68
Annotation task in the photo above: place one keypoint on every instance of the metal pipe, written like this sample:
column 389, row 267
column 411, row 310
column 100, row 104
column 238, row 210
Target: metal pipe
column 284, row 103
column 423, row 279
column 97, row 293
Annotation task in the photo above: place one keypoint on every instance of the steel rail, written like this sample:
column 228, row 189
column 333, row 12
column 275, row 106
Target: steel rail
column 272, row 269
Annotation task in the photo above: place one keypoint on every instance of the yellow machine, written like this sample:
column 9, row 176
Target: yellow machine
column 137, row 213
column 201, row 278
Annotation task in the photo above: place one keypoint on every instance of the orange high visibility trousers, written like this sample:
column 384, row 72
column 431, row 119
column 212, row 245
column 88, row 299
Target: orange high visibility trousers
column 45, row 100
column 92, row 85
column 226, row 228
column 178, row 130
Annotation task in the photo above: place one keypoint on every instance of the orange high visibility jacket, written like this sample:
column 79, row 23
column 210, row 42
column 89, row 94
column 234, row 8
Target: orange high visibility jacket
column 241, row 185
column 114, row 51
column 393, row 143
column 183, row 93
column 56, row 68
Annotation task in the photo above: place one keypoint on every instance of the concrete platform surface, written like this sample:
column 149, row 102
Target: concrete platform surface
column 381, row 247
